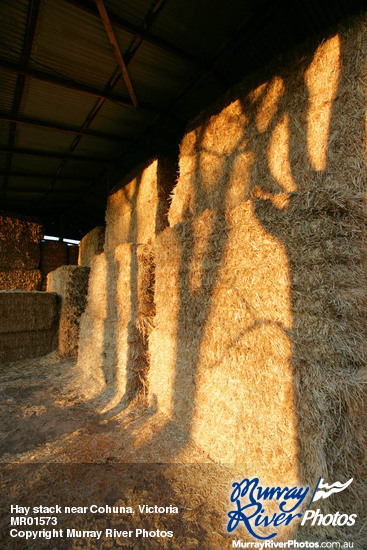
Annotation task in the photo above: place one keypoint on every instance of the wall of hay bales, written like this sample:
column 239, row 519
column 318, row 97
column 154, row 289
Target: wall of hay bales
column 257, row 331
column 258, row 351
column 19, row 252
column 113, row 346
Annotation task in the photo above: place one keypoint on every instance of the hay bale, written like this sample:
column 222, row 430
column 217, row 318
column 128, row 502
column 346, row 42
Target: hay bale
column 90, row 245
column 20, row 279
column 221, row 343
column 114, row 328
column 73, row 254
column 259, row 342
column 24, row 345
column 19, row 255
column 19, row 228
column 54, row 254
column 138, row 211
column 260, row 336
column 28, row 324
column 71, row 283
column 26, row 311
column 280, row 128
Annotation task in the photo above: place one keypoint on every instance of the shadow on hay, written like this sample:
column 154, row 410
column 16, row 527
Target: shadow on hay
column 326, row 331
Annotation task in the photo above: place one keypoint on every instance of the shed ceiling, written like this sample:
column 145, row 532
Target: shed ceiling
column 66, row 116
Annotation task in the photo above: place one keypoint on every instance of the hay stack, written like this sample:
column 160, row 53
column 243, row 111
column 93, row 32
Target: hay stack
column 19, row 228
column 90, row 245
column 137, row 211
column 20, row 279
column 115, row 326
column 259, row 346
column 28, row 324
column 71, row 283
column 19, row 253
column 295, row 123
column 221, row 342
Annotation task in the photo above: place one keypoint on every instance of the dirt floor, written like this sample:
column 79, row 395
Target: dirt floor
column 59, row 448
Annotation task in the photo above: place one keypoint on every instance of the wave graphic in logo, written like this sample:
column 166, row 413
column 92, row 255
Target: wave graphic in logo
column 324, row 490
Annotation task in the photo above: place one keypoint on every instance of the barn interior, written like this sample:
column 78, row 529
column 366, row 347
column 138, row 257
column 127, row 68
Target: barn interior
column 200, row 314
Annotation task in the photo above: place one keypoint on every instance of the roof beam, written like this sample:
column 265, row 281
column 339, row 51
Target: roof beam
column 51, row 154
column 123, row 24
column 116, row 48
column 114, row 79
column 33, row 9
column 59, row 127
column 70, row 84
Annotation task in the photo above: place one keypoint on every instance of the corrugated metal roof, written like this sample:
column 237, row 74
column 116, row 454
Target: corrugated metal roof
column 170, row 72
column 85, row 56
column 13, row 22
column 134, row 12
column 3, row 158
column 48, row 101
column 4, row 132
column 120, row 121
column 38, row 138
column 8, row 82
column 201, row 30
column 27, row 163
column 158, row 75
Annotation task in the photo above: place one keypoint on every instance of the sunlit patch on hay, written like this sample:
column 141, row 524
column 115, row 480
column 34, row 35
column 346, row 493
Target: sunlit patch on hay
column 322, row 79
column 269, row 104
column 278, row 154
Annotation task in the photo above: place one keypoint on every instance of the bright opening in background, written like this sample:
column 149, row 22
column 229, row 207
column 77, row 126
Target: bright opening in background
column 68, row 241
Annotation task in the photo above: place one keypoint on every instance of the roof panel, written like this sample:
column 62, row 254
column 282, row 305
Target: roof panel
column 134, row 12
column 4, row 132
column 86, row 54
column 13, row 21
column 158, row 75
column 86, row 169
column 39, row 138
column 119, row 120
column 57, row 103
column 31, row 164
column 200, row 27
column 7, row 89
column 62, row 186
column 100, row 147
column 3, row 157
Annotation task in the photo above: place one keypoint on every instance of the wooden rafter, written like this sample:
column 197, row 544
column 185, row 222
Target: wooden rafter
column 116, row 48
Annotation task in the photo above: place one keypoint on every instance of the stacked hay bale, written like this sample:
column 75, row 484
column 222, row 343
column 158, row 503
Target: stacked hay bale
column 53, row 255
column 28, row 324
column 19, row 253
column 259, row 345
column 113, row 348
column 91, row 244
column 71, row 284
